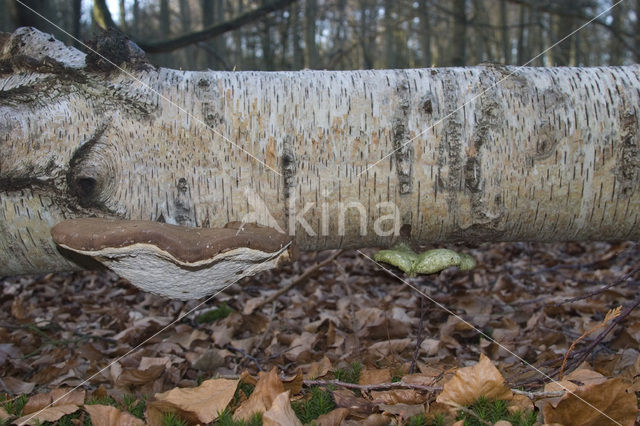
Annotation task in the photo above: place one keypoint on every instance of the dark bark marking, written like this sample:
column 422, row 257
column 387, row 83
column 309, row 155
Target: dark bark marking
column 288, row 169
column 46, row 65
column 546, row 139
column 405, row 232
column 427, row 105
column 106, row 96
column 18, row 95
column 184, row 214
column 112, row 49
column 403, row 148
column 450, row 163
column 472, row 175
column 88, row 179
column 211, row 117
column 628, row 163
column 488, row 120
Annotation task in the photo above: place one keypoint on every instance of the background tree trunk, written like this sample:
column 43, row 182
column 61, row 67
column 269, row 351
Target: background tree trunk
column 296, row 26
column 76, row 15
column 548, row 154
column 425, row 34
column 523, row 53
column 459, row 37
column 311, row 14
column 504, row 33
column 185, row 20
column 165, row 28
column 615, row 48
column 123, row 15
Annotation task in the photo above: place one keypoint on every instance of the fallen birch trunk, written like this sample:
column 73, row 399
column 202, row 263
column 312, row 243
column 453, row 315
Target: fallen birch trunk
column 330, row 158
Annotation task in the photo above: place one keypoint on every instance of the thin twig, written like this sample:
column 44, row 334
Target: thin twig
column 471, row 413
column 420, row 338
column 299, row 280
column 244, row 353
column 610, row 316
column 372, row 387
column 585, row 353
column 602, row 289
column 538, row 395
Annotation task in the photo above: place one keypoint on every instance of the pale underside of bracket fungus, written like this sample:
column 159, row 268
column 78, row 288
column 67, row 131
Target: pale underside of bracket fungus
column 334, row 159
column 175, row 261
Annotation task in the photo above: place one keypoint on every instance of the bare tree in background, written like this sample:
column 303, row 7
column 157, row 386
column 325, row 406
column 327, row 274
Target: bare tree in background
column 352, row 34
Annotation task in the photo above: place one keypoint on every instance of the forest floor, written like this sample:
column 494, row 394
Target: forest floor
column 346, row 346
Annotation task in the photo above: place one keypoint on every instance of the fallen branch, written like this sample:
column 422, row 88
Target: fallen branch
column 538, row 395
column 299, row 280
column 404, row 385
column 372, row 387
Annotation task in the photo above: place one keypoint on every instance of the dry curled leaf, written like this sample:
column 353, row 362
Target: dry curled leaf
column 470, row 383
column 520, row 403
column 49, row 414
column 606, row 403
column 373, row 377
column 393, row 346
column 375, row 419
column 51, row 407
column 346, row 399
column 4, row 416
column 570, row 382
column 281, row 413
column 267, row 389
column 17, row 386
column 317, row 369
column 106, row 415
column 332, row 418
column 301, row 346
column 199, row 404
column 246, row 377
column 138, row 377
column 399, row 396
column 56, row 397
column 293, row 384
column 404, row 410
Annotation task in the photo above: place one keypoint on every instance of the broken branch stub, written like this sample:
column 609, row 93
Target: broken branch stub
column 176, row 261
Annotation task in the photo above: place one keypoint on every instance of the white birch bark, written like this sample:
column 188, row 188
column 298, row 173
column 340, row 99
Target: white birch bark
column 487, row 153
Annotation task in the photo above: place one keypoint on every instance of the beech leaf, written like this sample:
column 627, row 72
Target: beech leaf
column 470, row 383
column 199, row 404
column 596, row 404
column 106, row 415
column 267, row 389
column 281, row 413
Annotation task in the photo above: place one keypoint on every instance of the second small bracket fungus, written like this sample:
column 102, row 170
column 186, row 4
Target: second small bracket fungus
column 175, row 261
column 430, row 262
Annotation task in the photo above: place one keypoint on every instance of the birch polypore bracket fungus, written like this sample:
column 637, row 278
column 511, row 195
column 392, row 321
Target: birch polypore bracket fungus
column 175, row 261
column 429, row 262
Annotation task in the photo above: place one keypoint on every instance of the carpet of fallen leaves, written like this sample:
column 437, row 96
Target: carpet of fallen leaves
column 346, row 344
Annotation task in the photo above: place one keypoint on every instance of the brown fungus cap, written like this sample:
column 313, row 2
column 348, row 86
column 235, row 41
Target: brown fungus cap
column 188, row 245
